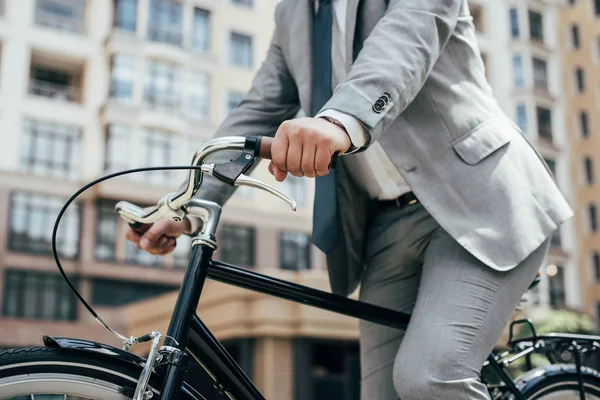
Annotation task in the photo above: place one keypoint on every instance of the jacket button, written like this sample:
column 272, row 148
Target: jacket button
column 387, row 96
column 378, row 106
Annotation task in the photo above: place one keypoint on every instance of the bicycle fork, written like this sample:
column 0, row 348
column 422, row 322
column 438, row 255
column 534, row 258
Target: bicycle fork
column 172, row 352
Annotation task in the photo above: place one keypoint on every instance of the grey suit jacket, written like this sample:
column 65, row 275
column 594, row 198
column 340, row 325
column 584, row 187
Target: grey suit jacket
column 468, row 164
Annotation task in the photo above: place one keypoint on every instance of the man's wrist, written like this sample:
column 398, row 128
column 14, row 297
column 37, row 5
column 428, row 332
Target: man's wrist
column 352, row 126
column 334, row 121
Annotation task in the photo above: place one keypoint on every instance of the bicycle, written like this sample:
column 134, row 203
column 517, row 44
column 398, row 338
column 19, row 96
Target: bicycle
column 86, row 369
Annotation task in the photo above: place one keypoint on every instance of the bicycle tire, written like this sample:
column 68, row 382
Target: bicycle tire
column 559, row 381
column 43, row 370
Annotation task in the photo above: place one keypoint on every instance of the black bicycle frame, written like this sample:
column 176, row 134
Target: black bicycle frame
column 188, row 334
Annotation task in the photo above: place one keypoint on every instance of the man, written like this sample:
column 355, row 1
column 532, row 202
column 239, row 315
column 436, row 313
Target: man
column 445, row 210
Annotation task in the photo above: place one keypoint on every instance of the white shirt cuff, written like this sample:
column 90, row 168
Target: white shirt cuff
column 352, row 125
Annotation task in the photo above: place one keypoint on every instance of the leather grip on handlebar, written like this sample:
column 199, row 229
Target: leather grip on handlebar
column 265, row 151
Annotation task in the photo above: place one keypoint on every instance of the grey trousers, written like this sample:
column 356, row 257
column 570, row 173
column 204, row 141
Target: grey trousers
column 459, row 308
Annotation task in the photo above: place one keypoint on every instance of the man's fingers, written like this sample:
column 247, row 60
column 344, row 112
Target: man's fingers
column 322, row 161
column 308, row 161
column 294, row 158
column 151, row 236
column 277, row 173
column 279, row 148
column 133, row 236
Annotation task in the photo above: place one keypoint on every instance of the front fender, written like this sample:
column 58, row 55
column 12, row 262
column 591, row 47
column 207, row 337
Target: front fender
column 125, row 357
column 94, row 347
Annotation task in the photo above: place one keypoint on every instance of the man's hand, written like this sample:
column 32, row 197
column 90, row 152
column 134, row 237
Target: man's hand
column 304, row 147
column 158, row 238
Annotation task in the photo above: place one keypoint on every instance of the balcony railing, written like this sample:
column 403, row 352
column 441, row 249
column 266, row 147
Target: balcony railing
column 160, row 34
column 170, row 104
column 545, row 131
column 54, row 90
column 65, row 23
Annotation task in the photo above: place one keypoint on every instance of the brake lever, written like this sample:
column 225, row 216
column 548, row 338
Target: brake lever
column 244, row 180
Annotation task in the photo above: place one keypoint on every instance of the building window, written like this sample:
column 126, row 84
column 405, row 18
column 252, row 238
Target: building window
column 295, row 188
column 135, row 256
column 237, row 245
column 234, row 99
column 596, row 265
column 240, row 50
column 199, row 92
column 540, row 74
column 557, row 288
column 38, row 295
column 165, row 21
column 156, row 151
column 246, row 3
column 575, row 36
column 118, row 157
column 522, row 117
column 52, row 83
column 32, row 218
column 109, row 293
column 580, row 80
column 201, row 38
column 477, row 15
column 125, row 14
column 551, row 165
column 583, row 124
column 514, row 22
column 162, row 86
column 182, row 252
column 588, row 166
column 326, row 369
column 67, row 15
column 50, row 149
column 294, row 251
column 592, row 213
column 536, row 27
column 106, row 230
column 544, row 119
column 122, row 78
column 519, row 78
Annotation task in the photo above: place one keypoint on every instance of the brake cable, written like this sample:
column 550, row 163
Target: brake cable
column 130, row 340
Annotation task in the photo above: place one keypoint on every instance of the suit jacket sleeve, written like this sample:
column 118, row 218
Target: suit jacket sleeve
column 396, row 58
column 272, row 99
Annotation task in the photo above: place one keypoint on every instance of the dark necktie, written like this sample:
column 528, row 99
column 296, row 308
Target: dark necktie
column 325, row 212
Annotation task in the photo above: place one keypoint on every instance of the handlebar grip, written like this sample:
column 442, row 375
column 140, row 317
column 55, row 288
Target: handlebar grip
column 265, row 151
column 265, row 147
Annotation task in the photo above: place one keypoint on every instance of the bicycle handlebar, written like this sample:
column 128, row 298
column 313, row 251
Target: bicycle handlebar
column 172, row 205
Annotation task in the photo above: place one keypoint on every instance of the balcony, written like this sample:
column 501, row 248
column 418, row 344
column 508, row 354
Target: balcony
column 54, row 91
column 163, row 35
column 65, row 15
column 56, row 78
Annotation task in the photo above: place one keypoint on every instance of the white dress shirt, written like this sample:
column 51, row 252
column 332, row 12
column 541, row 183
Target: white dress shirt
column 372, row 169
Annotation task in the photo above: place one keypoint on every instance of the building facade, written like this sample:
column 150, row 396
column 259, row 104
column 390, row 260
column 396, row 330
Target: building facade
column 520, row 45
column 579, row 35
column 89, row 87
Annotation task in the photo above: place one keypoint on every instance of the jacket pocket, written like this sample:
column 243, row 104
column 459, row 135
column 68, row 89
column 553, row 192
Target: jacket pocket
column 481, row 142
